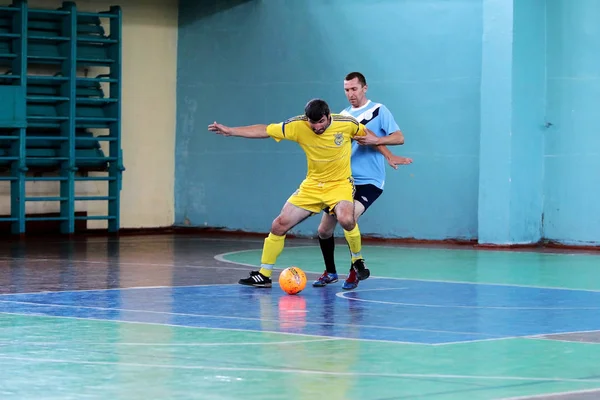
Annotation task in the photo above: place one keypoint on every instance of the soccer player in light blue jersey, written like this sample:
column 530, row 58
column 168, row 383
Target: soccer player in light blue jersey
column 369, row 156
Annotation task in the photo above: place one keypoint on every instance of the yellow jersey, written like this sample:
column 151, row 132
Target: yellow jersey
column 327, row 154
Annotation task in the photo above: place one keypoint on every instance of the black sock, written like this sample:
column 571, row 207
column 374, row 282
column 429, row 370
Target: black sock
column 328, row 250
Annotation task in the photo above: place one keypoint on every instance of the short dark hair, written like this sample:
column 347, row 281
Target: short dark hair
column 316, row 109
column 361, row 78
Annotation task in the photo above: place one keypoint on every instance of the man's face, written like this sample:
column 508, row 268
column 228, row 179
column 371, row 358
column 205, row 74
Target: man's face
column 356, row 93
column 319, row 126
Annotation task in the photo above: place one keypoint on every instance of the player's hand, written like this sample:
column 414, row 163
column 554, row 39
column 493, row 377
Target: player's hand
column 219, row 129
column 394, row 161
column 370, row 139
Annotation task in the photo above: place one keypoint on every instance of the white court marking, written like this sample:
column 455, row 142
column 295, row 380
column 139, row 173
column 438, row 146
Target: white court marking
column 112, row 289
column 561, row 333
column 338, row 338
column 134, row 264
column 221, row 258
column 343, row 295
column 194, row 344
column 209, row 316
column 553, row 394
column 299, row 371
column 160, row 238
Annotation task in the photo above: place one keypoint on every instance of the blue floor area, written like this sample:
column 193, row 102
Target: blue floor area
column 408, row 311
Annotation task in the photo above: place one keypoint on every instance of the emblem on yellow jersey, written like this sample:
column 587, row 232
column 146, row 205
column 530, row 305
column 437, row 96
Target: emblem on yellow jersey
column 338, row 139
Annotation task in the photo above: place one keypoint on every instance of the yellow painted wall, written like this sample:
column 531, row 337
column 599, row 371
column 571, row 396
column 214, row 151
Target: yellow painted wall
column 148, row 118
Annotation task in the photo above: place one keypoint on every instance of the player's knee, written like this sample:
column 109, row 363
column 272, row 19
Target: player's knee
column 277, row 229
column 279, row 226
column 347, row 221
column 325, row 232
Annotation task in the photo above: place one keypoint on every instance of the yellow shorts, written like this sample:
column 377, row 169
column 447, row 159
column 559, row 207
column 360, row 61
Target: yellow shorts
column 316, row 196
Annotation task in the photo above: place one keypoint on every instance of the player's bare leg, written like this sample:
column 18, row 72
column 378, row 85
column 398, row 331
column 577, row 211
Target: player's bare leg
column 359, row 210
column 327, row 244
column 327, row 225
column 289, row 217
column 345, row 213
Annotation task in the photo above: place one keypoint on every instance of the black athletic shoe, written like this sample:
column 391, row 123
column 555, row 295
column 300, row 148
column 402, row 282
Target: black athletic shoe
column 256, row 279
column 362, row 272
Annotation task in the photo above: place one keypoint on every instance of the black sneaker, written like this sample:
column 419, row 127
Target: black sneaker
column 256, row 279
column 362, row 272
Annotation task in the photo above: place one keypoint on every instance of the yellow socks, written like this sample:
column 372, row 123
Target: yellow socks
column 271, row 250
column 273, row 247
column 354, row 241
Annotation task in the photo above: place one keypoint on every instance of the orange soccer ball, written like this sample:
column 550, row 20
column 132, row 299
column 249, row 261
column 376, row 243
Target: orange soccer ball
column 292, row 280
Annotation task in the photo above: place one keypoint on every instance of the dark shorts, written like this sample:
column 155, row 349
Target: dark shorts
column 367, row 194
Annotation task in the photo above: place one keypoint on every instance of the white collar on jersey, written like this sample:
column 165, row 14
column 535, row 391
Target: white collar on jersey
column 361, row 107
column 367, row 111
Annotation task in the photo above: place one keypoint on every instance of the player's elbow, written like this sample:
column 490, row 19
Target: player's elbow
column 399, row 138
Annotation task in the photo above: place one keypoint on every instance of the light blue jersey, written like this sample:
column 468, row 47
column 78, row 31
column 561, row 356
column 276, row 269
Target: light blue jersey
column 368, row 165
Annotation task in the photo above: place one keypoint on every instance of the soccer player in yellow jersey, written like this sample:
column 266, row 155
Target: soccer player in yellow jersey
column 326, row 140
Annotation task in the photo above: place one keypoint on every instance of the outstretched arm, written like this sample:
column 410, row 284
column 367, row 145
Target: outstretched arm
column 394, row 138
column 392, row 159
column 250, row 131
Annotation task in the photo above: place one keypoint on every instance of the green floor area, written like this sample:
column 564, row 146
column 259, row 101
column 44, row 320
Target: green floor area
column 97, row 359
column 573, row 271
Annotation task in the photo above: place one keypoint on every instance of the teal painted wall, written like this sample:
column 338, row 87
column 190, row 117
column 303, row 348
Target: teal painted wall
column 512, row 122
column 260, row 61
column 572, row 147
column 496, row 99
